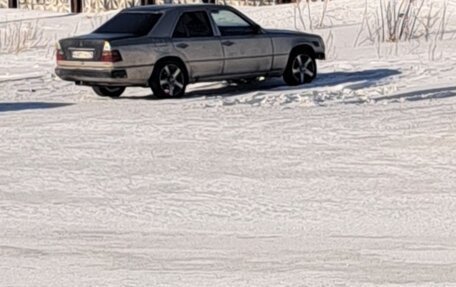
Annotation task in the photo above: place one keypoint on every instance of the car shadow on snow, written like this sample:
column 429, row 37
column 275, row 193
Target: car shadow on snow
column 356, row 80
column 20, row 106
column 414, row 96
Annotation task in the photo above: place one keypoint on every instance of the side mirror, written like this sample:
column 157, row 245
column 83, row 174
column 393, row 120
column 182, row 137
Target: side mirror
column 256, row 29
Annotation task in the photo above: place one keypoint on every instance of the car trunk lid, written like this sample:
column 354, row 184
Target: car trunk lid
column 88, row 47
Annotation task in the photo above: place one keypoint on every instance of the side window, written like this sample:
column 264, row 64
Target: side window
column 231, row 24
column 193, row 24
column 180, row 31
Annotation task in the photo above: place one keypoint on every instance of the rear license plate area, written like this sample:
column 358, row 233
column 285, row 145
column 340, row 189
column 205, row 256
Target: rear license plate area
column 82, row 54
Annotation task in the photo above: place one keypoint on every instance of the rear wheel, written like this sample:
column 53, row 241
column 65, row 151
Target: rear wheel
column 301, row 69
column 106, row 91
column 169, row 79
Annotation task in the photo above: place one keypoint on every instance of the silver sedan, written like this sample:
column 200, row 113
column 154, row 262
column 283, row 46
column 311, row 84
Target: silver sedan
column 167, row 47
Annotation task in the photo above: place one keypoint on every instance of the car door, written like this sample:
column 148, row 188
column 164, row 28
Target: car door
column 194, row 39
column 246, row 48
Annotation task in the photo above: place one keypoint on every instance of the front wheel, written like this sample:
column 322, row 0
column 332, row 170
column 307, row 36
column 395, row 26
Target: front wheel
column 169, row 79
column 301, row 69
column 106, row 91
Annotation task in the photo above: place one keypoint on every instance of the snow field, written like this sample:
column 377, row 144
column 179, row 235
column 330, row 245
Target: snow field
column 349, row 181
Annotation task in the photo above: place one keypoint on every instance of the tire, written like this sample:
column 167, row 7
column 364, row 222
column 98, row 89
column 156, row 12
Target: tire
column 106, row 91
column 301, row 68
column 169, row 79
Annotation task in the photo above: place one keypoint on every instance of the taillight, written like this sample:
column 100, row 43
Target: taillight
column 109, row 55
column 59, row 56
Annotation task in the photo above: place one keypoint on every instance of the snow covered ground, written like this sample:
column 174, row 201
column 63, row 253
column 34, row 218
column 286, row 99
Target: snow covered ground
column 350, row 181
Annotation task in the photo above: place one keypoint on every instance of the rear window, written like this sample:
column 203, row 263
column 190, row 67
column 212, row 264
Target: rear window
column 139, row 24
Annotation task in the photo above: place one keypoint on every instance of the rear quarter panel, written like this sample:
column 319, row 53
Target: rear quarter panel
column 139, row 55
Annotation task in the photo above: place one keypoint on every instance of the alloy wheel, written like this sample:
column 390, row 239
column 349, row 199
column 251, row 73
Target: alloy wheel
column 171, row 79
column 303, row 68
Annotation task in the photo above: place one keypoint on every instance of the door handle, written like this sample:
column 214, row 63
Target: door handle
column 182, row 45
column 227, row 43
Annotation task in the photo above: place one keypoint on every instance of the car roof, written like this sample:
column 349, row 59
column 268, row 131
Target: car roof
column 165, row 7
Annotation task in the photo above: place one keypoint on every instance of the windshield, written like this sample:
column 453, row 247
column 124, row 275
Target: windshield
column 139, row 24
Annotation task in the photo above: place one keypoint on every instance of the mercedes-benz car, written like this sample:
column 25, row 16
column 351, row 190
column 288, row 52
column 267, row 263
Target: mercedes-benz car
column 166, row 47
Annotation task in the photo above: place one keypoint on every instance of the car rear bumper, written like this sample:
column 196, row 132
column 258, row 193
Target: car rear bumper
column 97, row 76
column 78, row 74
column 320, row 56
